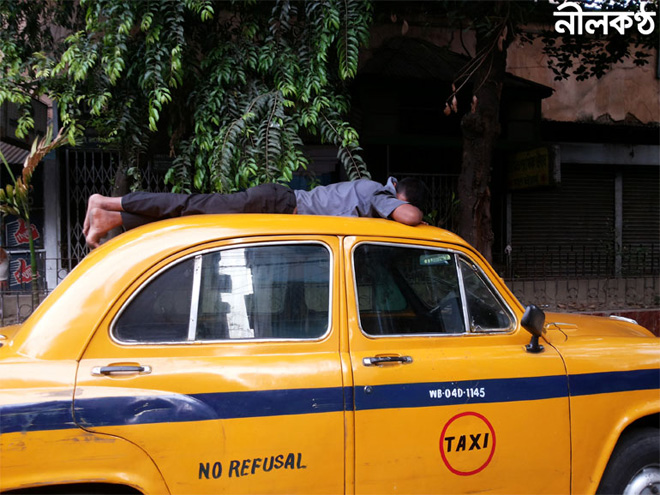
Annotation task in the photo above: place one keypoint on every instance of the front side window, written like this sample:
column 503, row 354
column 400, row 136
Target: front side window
column 405, row 290
column 265, row 292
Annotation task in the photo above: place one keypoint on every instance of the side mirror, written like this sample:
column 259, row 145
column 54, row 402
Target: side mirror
column 533, row 321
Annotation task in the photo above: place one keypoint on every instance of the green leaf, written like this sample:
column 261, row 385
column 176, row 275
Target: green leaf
column 226, row 88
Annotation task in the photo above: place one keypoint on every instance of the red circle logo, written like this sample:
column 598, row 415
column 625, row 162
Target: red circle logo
column 467, row 443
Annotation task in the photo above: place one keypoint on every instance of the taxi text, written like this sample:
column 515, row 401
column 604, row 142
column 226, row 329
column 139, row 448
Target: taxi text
column 245, row 467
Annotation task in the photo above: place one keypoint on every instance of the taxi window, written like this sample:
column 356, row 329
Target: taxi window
column 265, row 292
column 407, row 290
column 413, row 290
column 485, row 309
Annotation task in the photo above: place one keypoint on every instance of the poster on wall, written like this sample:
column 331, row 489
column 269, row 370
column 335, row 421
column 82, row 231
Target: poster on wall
column 16, row 243
column 20, row 271
column 17, row 235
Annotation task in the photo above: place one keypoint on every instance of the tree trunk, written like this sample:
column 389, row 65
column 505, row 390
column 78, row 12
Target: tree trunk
column 480, row 129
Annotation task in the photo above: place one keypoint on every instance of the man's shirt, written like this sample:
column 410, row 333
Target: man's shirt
column 359, row 198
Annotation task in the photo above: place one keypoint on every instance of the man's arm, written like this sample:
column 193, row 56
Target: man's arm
column 407, row 214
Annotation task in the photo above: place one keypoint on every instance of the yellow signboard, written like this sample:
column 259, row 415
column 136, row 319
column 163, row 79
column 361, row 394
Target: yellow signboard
column 531, row 168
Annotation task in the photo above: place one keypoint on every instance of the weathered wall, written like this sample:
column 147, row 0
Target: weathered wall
column 625, row 93
column 636, row 298
column 584, row 294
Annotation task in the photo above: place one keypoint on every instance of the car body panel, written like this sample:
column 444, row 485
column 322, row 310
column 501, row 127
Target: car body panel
column 307, row 414
column 40, row 442
column 605, row 402
column 214, row 396
column 61, row 457
column 441, row 422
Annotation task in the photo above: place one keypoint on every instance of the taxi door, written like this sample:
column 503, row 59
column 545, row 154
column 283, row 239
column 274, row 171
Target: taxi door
column 223, row 365
column 446, row 397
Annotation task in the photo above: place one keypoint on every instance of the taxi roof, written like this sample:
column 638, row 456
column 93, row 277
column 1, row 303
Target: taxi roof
column 238, row 225
column 179, row 233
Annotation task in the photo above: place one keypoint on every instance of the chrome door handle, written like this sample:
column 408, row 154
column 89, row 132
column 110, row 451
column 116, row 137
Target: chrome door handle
column 119, row 370
column 376, row 360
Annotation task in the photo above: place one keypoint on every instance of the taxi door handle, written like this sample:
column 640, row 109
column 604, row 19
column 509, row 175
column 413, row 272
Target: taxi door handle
column 120, row 370
column 376, row 360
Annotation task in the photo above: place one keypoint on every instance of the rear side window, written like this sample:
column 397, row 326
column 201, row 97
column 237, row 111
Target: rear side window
column 265, row 292
column 405, row 290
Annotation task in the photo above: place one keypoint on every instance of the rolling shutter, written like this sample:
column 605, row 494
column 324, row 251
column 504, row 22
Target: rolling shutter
column 567, row 230
column 579, row 211
column 641, row 205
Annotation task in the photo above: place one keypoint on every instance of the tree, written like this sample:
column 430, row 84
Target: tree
column 232, row 92
column 480, row 126
column 495, row 24
column 228, row 88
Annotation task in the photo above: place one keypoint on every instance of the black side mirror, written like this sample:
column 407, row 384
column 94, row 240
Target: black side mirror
column 533, row 321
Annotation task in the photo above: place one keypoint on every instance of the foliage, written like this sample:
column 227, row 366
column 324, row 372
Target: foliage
column 228, row 88
column 14, row 198
column 584, row 56
column 445, row 215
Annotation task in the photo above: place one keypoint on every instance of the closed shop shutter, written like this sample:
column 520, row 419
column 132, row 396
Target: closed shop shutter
column 567, row 230
column 641, row 221
column 641, row 205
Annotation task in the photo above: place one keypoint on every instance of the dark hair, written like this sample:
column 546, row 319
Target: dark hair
column 414, row 190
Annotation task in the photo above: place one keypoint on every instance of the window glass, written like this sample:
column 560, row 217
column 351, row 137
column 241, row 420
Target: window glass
column 161, row 310
column 256, row 292
column 486, row 310
column 407, row 290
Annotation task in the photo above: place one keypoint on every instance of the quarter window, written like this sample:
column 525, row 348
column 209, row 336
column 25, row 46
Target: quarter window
column 258, row 292
column 485, row 309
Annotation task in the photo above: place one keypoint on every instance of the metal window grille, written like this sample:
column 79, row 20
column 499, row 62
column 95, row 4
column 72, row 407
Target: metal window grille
column 89, row 171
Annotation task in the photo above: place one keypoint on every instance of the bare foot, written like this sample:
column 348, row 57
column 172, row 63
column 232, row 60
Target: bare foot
column 93, row 202
column 100, row 223
column 108, row 203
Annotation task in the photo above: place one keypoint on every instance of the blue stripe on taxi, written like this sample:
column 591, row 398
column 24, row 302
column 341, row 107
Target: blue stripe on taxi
column 111, row 411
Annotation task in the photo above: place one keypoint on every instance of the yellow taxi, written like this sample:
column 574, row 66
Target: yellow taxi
column 291, row 354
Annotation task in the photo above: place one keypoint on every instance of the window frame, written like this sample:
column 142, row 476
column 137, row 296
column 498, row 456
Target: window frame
column 457, row 255
column 195, row 293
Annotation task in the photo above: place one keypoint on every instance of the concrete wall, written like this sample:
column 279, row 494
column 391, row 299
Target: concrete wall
column 637, row 298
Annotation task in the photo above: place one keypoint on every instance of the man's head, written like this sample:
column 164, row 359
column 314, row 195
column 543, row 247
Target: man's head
column 413, row 191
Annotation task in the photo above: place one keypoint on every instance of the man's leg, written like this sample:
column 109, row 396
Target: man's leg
column 105, row 213
column 265, row 198
column 139, row 208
